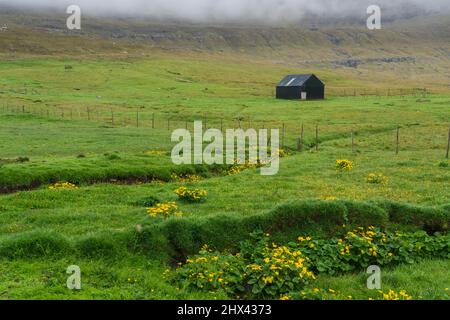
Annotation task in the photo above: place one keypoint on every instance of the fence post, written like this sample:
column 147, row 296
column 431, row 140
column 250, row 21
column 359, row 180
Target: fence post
column 300, row 141
column 89, row 114
column 448, row 144
column 137, row 118
column 317, row 137
column 353, row 141
column 153, row 121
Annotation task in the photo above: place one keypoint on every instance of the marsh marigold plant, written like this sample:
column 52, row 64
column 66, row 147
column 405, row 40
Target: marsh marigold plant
column 62, row 186
column 164, row 210
column 261, row 270
column 191, row 195
column 376, row 178
column 344, row 165
column 185, row 178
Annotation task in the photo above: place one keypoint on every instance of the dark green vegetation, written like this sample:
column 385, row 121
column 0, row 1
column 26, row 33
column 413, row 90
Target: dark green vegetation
column 182, row 237
column 265, row 270
column 72, row 116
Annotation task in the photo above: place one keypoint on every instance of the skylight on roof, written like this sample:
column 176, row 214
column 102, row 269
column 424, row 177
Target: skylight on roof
column 290, row 82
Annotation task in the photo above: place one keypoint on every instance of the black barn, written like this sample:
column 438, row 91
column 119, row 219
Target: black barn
column 301, row 86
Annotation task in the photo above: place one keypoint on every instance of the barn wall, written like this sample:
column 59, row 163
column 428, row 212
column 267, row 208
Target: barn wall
column 316, row 92
column 288, row 93
column 295, row 92
column 315, row 88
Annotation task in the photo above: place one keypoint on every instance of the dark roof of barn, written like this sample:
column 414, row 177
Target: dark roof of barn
column 295, row 80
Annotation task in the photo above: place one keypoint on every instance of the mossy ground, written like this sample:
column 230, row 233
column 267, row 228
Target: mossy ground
column 64, row 147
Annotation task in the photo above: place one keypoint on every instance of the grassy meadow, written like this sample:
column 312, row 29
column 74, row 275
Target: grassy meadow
column 104, row 125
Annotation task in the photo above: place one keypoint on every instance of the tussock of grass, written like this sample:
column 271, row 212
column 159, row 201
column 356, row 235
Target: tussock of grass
column 177, row 238
column 182, row 237
column 425, row 218
column 96, row 170
column 103, row 245
column 44, row 244
column 34, row 244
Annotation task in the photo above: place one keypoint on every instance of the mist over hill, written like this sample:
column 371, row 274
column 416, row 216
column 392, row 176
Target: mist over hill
column 269, row 12
column 414, row 48
column 344, row 34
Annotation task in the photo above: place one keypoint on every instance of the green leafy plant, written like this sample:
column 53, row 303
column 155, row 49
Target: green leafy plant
column 344, row 165
column 376, row 178
column 261, row 270
column 265, row 270
column 191, row 195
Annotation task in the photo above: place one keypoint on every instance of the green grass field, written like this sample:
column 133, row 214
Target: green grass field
column 105, row 124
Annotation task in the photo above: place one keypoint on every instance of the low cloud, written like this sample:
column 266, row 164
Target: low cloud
column 242, row 11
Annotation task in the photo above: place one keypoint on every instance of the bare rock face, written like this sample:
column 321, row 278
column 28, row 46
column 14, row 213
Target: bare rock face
column 354, row 63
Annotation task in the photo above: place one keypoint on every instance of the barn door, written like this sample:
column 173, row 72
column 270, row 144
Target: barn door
column 303, row 95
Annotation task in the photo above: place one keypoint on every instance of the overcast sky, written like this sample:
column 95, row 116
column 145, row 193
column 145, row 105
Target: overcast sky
column 237, row 10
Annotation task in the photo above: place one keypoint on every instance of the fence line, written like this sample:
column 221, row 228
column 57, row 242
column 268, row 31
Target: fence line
column 295, row 131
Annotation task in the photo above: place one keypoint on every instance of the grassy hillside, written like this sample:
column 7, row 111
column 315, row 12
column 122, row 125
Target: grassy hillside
column 96, row 109
column 405, row 53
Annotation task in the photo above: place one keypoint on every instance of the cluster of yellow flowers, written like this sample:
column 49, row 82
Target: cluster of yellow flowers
column 164, row 210
column 238, row 168
column 344, row 165
column 267, row 280
column 214, row 278
column 329, row 198
column 331, row 294
column 155, row 152
column 303, row 239
column 185, row 178
column 282, row 153
column 281, row 260
column 62, row 185
column 344, row 248
column 376, row 178
column 255, row 163
column 392, row 295
column 368, row 236
column 195, row 195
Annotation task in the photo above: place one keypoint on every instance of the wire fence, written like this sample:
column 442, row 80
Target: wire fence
column 294, row 135
column 379, row 92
